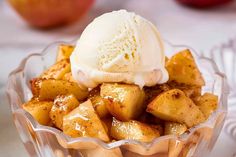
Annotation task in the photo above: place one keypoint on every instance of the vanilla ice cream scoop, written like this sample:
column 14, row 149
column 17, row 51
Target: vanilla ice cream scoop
column 119, row 47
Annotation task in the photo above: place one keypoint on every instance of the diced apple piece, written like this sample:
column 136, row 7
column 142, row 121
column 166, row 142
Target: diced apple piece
column 182, row 69
column 175, row 106
column 62, row 105
column 68, row 77
column 100, row 106
column 152, row 92
column 84, row 122
column 49, row 89
column 133, row 130
column 64, row 51
column 192, row 92
column 39, row 110
column 172, row 128
column 207, row 103
column 123, row 101
column 99, row 103
column 175, row 147
column 58, row 70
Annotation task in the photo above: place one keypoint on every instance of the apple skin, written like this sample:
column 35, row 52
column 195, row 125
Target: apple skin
column 51, row 13
column 203, row 3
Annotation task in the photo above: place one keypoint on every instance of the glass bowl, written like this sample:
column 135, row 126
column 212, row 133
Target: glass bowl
column 224, row 55
column 45, row 141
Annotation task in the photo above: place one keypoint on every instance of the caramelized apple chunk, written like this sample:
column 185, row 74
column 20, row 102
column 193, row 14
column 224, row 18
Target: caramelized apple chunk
column 133, row 130
column 175, row 106
column 99, row 103
column 182, row 69
column 64, row 52
column 123, row 101
column 62, row 105
column 39, row 110
column 83, row 121
column 207, row 103
column 172, row 128
column 57, row 71
column 49, row 89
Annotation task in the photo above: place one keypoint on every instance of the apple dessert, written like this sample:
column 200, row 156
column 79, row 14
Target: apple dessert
column 116, row 83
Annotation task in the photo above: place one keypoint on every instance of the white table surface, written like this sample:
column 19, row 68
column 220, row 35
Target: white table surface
column 200, row 29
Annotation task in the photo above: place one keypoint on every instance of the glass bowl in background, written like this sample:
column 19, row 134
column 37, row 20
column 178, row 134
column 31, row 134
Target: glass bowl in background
column 44, row 141
column 225, row 57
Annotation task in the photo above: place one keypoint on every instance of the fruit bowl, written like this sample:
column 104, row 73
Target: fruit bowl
column 47, row 141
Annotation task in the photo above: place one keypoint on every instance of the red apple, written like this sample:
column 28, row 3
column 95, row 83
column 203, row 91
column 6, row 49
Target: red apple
column 203, row 3
column 50, row 13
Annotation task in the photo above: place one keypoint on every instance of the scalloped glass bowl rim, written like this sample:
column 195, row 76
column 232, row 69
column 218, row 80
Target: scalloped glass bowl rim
column 59, row 134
